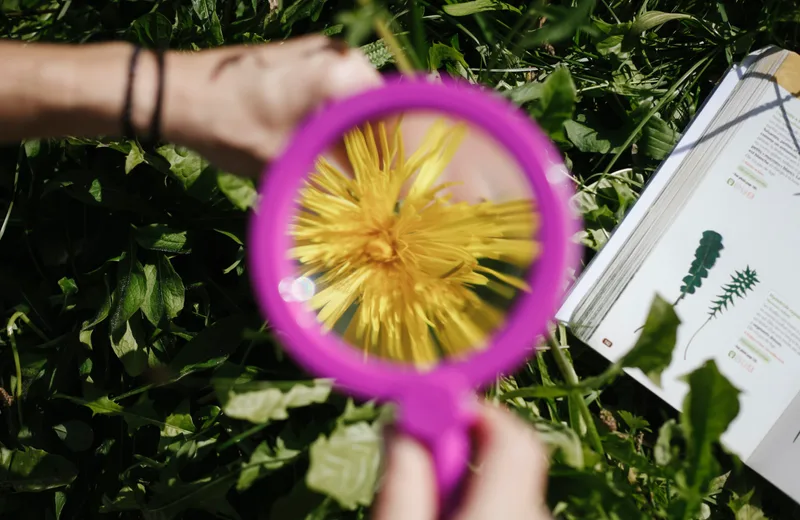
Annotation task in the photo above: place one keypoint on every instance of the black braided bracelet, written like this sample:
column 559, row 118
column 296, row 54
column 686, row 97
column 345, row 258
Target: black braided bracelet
column 128, row 131
column 154, row 135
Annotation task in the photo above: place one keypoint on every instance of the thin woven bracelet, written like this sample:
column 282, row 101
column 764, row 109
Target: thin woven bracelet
column 128, row 131
column 154, row 135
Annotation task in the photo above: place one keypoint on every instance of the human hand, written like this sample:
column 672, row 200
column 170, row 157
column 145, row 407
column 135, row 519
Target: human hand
column 510, row 483
column 238, row 106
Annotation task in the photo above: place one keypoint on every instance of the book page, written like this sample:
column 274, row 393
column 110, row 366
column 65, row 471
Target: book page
column 705, row 118
column 635, row 215
column 729, row 263
column 778, row 455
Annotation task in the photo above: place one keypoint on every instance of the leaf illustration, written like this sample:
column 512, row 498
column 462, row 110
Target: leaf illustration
column 741, row 283
column 705, row 257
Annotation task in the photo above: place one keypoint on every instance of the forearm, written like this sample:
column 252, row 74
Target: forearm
column 69, row 90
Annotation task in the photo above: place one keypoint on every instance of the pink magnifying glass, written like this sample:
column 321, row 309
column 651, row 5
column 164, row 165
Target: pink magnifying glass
column 412, row 243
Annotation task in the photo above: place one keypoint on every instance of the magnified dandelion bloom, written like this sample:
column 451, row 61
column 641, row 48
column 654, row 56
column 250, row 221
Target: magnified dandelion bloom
column 400, row 266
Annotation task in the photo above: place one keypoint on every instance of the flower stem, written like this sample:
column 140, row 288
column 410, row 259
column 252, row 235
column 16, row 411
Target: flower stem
column 568, row 372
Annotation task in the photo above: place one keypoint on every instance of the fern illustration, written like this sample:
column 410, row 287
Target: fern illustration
column 705, row 257
column 741, row 283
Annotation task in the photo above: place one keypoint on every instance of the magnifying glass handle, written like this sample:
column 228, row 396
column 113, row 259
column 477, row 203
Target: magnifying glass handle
column 451, row 457
column 440, row 415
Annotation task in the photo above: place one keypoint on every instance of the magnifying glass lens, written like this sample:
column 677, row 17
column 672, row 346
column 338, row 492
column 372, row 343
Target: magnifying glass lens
column 413, row 237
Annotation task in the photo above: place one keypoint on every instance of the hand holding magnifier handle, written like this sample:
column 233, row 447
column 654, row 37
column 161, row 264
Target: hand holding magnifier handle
column 437, row 405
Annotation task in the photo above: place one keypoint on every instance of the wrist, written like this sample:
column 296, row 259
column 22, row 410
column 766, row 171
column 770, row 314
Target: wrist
column 96, row 86
column 89, row 84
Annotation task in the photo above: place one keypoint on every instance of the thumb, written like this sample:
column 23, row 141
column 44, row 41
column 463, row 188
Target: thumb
column 345, row 74
column 340, row 76
column 409, row 485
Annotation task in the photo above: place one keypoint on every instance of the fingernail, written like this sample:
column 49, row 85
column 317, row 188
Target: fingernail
column 338, row 45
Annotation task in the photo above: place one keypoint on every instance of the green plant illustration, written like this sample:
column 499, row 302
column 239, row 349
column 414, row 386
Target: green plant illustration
column 705, row 257
column 741, row 283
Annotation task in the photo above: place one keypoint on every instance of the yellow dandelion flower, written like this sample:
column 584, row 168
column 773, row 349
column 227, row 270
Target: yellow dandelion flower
column 401, row 268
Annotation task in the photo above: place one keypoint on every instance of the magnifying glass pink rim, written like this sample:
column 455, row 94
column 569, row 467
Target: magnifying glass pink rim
column 327, row 355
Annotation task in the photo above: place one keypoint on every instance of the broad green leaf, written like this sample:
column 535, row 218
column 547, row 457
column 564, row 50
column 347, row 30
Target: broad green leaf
column 561, row 22
column 652, row 353
column 129, row 293
column 68, row 286
column 206, row 494
column 358, row 413
column 240, row 190
column 477, row 6
column 176, row 425
column 658, row 138
column 633, row 422
column 309, row 9
column 525, row 93
column 663, row 452
column 440, row 54
column 33, row 470
column 185, row 165
column 264, row 459
column 102, row 405
column 165, row 291
column 563, row 443
column 743, row 509
column 77, row 435
column 127, row 499
column 134, row 158
column 136, row 416
column 141, row 414
column 587, row 139
column 750, row 512
column 556, row 104
column 262, row 401
column 212, row 346
column 157, row 237
column 709, row 390
column 204, row 8
column 129, row 347
column 104, row 309
column 345, row 465
column 153, row 29
column 624, row 450
column 708, row 409
column 96, row 190
column 358, row 24
column 215, row 28
column 611, row 44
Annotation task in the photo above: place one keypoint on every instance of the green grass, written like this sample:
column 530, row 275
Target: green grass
column 200, row 415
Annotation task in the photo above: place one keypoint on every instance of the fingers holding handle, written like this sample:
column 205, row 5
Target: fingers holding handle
column 509, row 482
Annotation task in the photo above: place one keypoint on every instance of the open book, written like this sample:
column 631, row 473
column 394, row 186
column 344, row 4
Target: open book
column 717, row 232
